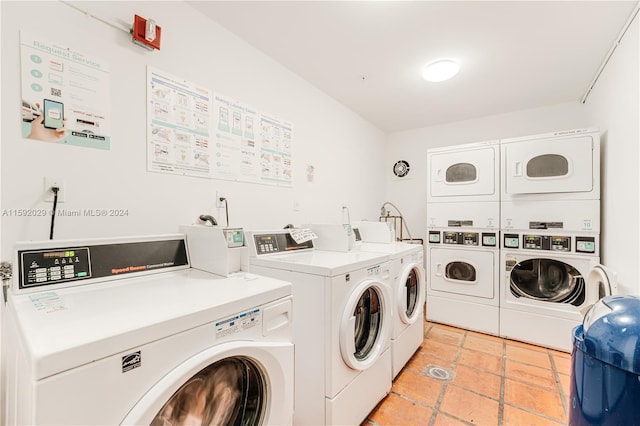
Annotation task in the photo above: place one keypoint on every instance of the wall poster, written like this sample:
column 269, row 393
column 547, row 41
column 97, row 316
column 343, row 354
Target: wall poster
column 178, row 125
column 65, row 94
column 194, row 132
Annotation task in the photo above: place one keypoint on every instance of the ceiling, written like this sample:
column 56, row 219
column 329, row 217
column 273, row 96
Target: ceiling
column 368, row 55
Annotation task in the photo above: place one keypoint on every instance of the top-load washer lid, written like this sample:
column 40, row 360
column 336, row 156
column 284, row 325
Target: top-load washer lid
column 323, row 263
column 69, row 327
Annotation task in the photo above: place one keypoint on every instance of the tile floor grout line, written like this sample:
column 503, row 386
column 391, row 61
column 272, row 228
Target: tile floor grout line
column 502, row 383
column 535, row 413
column 564, row 398
column 445, row 385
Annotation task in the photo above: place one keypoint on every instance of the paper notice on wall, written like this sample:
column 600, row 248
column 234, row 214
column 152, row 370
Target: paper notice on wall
column 235, row 151
column 276, row 161
column 65, row 94
column 178, row 125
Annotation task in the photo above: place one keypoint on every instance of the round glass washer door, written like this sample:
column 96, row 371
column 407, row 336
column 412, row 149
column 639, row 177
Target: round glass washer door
column 410, row 293
column 364, row 328
column 228, row 392
column 549, row 280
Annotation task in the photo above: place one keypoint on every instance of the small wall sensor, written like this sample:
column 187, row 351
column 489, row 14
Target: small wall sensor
column 150, row 30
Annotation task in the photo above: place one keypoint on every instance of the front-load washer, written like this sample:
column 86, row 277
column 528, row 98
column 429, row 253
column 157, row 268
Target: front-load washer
column 342, row 326
column 562, row 165
column 123, row 331
column 407, row 290
column 464, row 173
column 463, row 281
column 548, row 280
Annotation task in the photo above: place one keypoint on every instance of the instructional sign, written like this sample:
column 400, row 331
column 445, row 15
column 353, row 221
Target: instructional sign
column 178, row 119
column 65, row 94
column 194, row 132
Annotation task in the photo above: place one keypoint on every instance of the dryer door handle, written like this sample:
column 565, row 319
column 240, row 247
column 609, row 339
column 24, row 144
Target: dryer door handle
column 439, row 175
column 517, row 168
column 438, row 269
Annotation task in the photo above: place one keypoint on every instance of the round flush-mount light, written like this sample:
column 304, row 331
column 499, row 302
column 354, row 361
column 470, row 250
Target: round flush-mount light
column 440, row 70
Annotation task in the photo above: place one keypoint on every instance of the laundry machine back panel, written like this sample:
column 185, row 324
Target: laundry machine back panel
column 462, row 272
column 464, row 173
column 568, row 164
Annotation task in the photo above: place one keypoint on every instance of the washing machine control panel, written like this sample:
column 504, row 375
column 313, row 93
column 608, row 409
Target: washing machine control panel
column 278, row 243
column 64, row 264
column 546, row 242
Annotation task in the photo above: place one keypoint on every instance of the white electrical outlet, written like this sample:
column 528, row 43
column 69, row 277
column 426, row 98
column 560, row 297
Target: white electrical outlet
column 220, row 194
column 50, row 182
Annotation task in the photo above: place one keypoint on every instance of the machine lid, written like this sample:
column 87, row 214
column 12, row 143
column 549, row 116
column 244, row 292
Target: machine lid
column 70, row 327
column 610, row 332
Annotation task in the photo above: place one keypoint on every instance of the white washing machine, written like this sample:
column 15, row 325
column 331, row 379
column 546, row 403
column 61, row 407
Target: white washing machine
column 548, row 280
column 562, row 165
column 123, row 331
column 463, row 282
column 342, row 328
column 464, row 173
column 407, row 289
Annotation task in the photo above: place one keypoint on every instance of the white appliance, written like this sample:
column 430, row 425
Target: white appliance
column 342, row 328
column 464, row 173
column 485, row 215
column 215, row 249
column 562, row 165
column 407, row 288
column 463, row 281
column 548, row 280
column 123, row 331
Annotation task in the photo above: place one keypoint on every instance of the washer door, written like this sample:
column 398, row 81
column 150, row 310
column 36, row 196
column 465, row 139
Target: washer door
column 218, row 387
column 548, row 280
column 364, row 329
column 410, row 293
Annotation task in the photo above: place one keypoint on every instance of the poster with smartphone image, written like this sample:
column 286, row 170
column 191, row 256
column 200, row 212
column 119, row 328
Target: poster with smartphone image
column 65, row 94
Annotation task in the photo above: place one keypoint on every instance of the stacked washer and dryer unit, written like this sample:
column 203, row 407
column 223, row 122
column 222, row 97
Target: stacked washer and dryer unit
column 550, row 216
column 548, row 271
column 463, row 196
column 125, row 331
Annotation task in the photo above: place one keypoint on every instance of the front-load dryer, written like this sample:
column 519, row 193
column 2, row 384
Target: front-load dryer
column 342, row 327
column 563, row 165
column 123, row 331
column 548, row 280
column 464, row 173
column 463, row 281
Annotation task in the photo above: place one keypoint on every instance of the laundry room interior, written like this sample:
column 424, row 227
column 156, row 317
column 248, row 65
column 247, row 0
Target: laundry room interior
column 217, row 168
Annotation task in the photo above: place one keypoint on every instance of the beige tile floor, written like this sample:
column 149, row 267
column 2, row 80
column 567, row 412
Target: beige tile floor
column 482, row 380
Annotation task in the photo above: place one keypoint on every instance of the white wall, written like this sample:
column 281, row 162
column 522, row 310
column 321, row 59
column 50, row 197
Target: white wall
column 613, row 106
column 326, row 134
column 410, row 195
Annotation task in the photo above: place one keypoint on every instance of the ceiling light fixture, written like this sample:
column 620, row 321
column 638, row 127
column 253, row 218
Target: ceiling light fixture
column 440, row 70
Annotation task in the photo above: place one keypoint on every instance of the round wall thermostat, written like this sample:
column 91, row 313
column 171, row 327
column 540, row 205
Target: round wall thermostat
column 401, row 168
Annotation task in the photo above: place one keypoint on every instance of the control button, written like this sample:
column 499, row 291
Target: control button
column 41, row 270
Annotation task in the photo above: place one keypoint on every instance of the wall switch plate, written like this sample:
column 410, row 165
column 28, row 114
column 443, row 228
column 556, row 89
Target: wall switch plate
column 50, row 182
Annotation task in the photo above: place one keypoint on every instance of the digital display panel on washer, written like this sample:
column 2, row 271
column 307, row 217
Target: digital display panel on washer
column 53, row 266
column 63, row 264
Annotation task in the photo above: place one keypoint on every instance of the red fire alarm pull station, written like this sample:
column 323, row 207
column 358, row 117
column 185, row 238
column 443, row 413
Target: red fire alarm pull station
column 146, row 33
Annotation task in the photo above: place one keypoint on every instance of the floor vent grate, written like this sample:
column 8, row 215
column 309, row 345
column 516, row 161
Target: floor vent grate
column 439, row 373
